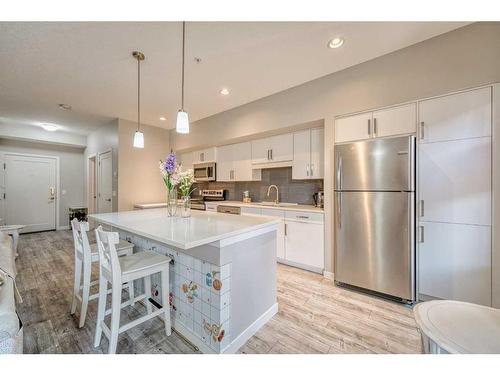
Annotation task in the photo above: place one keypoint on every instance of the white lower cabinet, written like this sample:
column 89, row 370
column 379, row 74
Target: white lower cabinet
column 300, row 237
column 455, row 262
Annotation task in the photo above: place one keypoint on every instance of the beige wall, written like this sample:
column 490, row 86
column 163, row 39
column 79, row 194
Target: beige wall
column 139, row 179
column 463, row 58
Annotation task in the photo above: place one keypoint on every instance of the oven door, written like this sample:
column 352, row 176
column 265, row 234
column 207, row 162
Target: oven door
column 204, row 172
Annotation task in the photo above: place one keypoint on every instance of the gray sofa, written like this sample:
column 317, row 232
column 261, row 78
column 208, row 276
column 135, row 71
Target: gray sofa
column 11, row 332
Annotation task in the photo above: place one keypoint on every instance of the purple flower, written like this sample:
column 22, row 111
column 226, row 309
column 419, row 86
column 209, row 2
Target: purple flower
column 170, row 163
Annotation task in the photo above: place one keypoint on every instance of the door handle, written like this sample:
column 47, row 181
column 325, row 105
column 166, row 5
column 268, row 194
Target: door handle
column 421, row 208
column 369, row 128
column 268, row 155
column 286, row 229
column 108, row 200
column 271, row 153
column 422, row 130
column 52, row 193
column 375, row 131
column 421, row 236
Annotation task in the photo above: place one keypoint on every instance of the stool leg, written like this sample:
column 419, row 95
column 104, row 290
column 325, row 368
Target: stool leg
column 101, row 310
column 85, row 292
column 131, row 291
column 76, row 285
column 116, row 302
column 147, row 291
column 164, row 300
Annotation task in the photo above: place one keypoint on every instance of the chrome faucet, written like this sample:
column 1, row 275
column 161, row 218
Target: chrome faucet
column 277, row 200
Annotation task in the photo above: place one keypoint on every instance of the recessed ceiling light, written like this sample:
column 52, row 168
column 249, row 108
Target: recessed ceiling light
column 66, row 107
column 50, row 127
column 224, row 92
column 335, row 43
column 162, row 118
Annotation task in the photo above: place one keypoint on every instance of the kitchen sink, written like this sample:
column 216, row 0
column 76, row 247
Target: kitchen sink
column 273, row 204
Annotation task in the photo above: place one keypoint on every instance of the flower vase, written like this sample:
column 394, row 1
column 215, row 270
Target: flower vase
column 172, row 202
column 186, row 206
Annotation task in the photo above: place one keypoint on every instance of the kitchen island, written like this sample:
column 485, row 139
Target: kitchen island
column 223, row 273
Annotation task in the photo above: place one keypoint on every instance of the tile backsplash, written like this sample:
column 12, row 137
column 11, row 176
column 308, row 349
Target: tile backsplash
column 294, row 191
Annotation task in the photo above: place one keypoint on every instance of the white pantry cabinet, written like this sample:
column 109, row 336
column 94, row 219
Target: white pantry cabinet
column 308, row 154
column 456, row 116
column 205, row 155
column 234, row 163
column 274, row 149
column 380, row 123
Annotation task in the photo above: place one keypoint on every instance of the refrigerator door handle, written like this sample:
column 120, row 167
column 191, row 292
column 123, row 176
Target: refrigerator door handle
column 339, row 209
column 422, row 208
column 421, row 235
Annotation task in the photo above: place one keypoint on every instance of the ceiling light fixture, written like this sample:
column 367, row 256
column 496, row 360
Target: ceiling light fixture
column 162, row 118
column 224, row 92
column 50, row 127
column 66, row 107
column 335, row 43
column 182, row 125
column 138, row 135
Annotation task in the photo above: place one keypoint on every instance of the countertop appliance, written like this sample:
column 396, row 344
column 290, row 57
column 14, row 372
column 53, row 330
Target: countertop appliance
column 374, row 221
column 319, row 199
column 204, row 171
column 198, row 203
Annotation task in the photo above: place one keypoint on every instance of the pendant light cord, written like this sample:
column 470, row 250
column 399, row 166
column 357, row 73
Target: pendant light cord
column 183, row 47
column 138, row 93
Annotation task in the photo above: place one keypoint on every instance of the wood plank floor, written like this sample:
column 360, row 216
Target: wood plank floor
column 314, row 315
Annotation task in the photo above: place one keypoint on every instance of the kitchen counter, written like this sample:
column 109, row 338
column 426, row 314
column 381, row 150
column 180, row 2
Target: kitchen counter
column 223, row 273
column 298, row 207
column 144, row 206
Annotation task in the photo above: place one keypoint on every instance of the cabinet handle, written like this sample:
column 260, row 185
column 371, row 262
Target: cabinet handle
column 302, row 217
column 375, row 130
column 421, row 206
column 271, row 154
column 422, row 130
column 202, row 156
column 286, row 229
column 421, row 234
column 268, row 157
column 369, row 128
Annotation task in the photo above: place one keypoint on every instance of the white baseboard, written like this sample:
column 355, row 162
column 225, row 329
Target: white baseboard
column 328, row 275
column 239, row 341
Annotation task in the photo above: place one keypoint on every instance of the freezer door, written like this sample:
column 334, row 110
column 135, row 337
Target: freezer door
column 374, row 241
column 378, row 165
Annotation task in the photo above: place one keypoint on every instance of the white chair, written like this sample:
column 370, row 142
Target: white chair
column 85, row 255
column 116, row 271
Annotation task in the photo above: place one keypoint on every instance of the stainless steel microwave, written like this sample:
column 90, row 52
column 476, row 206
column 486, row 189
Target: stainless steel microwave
column 204, row 171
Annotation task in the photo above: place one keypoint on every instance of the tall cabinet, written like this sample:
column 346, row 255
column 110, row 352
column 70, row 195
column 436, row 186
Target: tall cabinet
column 454, row 202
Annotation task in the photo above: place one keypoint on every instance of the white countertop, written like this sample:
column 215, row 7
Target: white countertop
column 150, row 205
column 297, row 207
column 185, row 233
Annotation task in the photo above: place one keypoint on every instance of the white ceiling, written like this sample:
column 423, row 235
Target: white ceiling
column 89, row 65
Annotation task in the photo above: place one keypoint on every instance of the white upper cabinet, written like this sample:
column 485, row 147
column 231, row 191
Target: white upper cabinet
column 457, row 116
column 186, row 160
column 308, row 154
column 205, row 155
column 395, row 120
column 234, row 163
column 274, row 149
column 353, row 128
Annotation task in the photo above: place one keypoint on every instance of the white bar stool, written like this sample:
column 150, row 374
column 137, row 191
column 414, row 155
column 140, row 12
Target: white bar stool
column 85, row 255
column 116, row 271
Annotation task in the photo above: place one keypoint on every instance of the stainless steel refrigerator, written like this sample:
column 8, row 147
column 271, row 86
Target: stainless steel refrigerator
column 375, row 216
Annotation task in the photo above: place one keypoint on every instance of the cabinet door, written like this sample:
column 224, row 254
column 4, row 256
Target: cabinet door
column 455, row 262
column 260, row 151
column 242, row 167
column 301, row 155
column 317, row 153
column 282, row 148
column 455, row 181
column 204, row 155
column 186, row 160
column 250, row 211
column 457, row 116
column 304, row 243
column 280, row 251
column 353, row 128
column 396, row 120
column 225, row 163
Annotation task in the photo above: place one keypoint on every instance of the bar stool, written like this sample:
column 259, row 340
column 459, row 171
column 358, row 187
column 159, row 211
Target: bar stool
column 116, row 271
column 85, row 255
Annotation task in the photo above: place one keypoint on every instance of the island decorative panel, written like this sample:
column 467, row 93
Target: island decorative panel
column 200, row 298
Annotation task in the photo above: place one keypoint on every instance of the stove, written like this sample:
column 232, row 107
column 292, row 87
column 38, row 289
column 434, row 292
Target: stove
column 198, row 203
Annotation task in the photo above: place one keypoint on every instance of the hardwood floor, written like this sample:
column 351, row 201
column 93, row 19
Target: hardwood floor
column 314, row 315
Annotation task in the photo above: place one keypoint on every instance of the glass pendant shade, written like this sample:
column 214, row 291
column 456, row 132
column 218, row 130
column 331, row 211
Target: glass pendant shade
column 182, row 125
column 139, row 139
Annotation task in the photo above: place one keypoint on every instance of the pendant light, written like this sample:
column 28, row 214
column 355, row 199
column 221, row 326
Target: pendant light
column 182, row 125
column 138, row 136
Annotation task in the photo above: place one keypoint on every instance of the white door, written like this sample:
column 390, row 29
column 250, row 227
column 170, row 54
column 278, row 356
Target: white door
column 455, row 181
column 30, row 192
column 225, row 163
column 455, row 262
column 395, row 120
column 353, row 128
column 260, row 151
column 457, row 116
column 317, row 153
column 304, row 244
column 301, row 166
column 105, row 182
column 282, row 147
